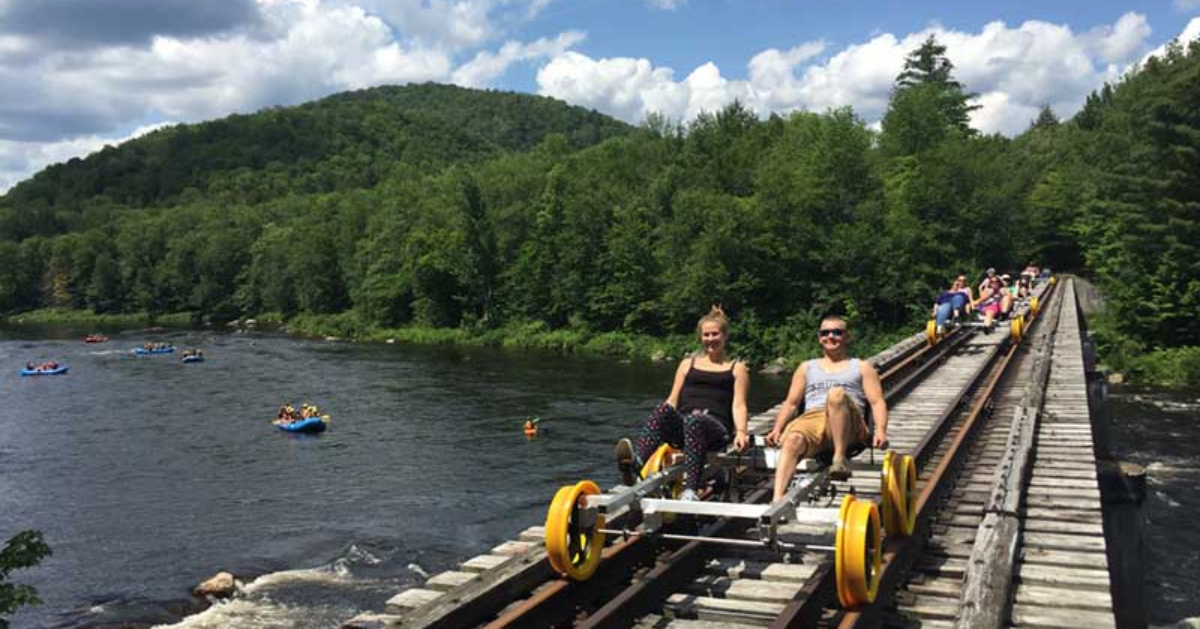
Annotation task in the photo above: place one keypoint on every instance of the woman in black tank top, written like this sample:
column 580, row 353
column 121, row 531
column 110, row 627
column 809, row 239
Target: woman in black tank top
column 706, row 409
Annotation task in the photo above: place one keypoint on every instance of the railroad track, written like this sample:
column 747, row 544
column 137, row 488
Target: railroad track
column 718, row 572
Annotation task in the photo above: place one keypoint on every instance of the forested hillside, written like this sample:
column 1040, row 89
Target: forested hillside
column 443, row 207
column 343, row 142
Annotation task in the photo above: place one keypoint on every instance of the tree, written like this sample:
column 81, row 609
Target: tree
column 23, row 550
column 927, row 103
column 1046, row 119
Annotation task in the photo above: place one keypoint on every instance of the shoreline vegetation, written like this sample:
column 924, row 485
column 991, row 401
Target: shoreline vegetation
column 1173, row 367
column 79, row 317
column 536, row 336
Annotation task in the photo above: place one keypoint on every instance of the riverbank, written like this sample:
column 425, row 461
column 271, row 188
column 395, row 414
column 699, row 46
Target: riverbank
column 775, row 348
column 68, row 316
column 779, row 349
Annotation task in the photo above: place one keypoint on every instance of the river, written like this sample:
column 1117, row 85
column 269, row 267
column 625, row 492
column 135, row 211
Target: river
column 147, row 475
column 1159, row 430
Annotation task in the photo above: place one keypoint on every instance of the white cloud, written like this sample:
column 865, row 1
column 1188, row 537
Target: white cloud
column 1015, row 70
column 1190, row 33
column 295, row 51
column 486, row 66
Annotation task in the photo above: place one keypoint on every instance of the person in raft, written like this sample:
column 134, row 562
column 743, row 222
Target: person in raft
column 835, row 390
column 705, row 411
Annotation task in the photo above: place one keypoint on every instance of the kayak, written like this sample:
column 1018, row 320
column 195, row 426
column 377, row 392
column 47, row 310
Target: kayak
column 193, row 359
column 95, row 338
column 311, row 424
column 61, row 369
column 157, row 350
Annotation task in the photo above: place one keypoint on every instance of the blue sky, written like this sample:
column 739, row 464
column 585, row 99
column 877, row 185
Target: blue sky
column 729, row 32
column 79, row 74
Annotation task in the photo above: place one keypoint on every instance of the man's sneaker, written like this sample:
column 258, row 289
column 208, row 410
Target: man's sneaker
column 689, row 495
column 839, row 470
column 625, row 462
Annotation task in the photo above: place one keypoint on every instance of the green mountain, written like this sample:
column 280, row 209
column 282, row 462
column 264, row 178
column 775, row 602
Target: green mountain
column 346, row 141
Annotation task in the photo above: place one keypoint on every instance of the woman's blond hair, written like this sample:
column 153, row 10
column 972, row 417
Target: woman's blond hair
column 715, row 315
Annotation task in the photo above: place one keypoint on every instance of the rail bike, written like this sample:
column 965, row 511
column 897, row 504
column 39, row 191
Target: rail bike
column 576, row 523
column 1017, row 324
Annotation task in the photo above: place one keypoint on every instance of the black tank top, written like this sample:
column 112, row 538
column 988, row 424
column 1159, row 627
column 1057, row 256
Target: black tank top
column 708, row 390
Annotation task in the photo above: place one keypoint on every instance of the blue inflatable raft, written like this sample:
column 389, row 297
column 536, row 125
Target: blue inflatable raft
column 312, row 424
column 157, row 350
column 61, row 369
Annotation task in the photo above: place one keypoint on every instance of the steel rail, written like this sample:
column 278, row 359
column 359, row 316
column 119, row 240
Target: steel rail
column 905, row 369
column 899, row 554
column 555, row 601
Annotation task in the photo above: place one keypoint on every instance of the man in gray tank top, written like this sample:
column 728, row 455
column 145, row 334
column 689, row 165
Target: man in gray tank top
column 834, row 390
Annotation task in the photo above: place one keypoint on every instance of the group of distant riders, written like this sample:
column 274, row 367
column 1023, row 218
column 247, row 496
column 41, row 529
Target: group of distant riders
column 834, row 408
column 188, row 353
column 996, row 297
column 287, row 413
column 157, row 345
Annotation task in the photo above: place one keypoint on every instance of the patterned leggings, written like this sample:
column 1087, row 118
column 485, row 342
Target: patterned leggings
column 699, row 432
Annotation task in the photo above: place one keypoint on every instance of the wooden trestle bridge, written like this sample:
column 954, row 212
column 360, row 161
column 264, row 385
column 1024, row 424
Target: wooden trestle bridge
column 997, row 524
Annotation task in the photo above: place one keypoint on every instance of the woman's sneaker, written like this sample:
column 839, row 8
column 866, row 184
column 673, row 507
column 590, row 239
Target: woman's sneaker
column 625, row 462
column 689, row 495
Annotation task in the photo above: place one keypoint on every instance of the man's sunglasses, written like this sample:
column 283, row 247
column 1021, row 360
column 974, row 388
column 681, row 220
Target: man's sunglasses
column 834, row 332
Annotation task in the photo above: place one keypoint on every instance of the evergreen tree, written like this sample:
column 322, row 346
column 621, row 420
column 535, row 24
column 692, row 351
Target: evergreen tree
column 927, row 103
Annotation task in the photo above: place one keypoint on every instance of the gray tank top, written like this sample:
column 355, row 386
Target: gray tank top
column 817, row 384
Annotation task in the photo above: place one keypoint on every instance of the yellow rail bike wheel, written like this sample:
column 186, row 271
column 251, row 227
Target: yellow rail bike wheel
column 1053, row 280
column 889, row 498
column 572, row 547
column 858, row 553
column 906, row 477
column 660, row 460
column 1034, row 306
column 931, row 332
column 899, row 494
column 1016, row 327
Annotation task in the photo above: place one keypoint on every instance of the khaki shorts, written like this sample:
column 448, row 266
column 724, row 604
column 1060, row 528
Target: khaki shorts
column 812, row 427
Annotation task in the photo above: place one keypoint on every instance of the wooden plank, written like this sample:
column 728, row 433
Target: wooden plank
column 1063, row 542
column 511, row 548
column 655, row 621
column 1047, row 502
column 742, row 589
column 409, row 599
column 1056, row 526
column 937, row 587
column 761, row 570
column 1076, row 559
column 1063, row 515
column 483, row 563
column 1062, row 481
column 722, row 609
column 1057, row 618
column 1074, row 598
column 1063, row 576
column 372, row 620
column 535, row 534
column 449, row 580
column 931, row 607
